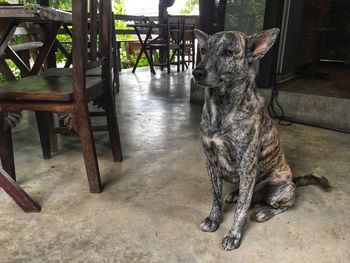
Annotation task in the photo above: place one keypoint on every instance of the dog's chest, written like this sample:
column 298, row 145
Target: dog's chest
column 224, row 138
column 221, row 153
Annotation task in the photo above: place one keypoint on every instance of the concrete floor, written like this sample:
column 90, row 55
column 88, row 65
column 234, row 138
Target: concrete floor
column 154, row 201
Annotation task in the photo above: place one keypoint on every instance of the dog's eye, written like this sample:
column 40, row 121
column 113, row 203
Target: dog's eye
column 228, row 53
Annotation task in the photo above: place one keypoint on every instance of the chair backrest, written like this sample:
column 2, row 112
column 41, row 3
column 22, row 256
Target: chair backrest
column 133, row 20
column 91, row 41
column 173, row 29
column 188, row 26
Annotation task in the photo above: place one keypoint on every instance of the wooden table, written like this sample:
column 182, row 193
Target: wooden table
column 51, row 20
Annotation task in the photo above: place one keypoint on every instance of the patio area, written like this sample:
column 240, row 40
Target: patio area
column 153, row 202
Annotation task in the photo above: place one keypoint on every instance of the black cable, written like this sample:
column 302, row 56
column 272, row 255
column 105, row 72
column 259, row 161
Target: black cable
column 274, row 94
column 271, row 108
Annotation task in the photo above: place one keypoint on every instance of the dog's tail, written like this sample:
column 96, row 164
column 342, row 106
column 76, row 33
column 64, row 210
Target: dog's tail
column 312, row 179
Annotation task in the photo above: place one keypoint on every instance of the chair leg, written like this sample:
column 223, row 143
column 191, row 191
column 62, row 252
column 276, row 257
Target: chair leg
column 21, row 198
column 178, row 60
column 42, row 120
column 6, row 152
column 113, row 129
column 168, row 60
column 89, row 150
column 193, row 57
column 183, row 58
column 53, row 134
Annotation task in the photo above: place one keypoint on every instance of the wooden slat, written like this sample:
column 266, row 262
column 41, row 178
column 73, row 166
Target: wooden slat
column 133, row 32
column 93, row 30
column 59, row 107
column 62, row 49
column 17, row 60
column 7, row 29
column 27, row 46
column 79, row 56
column 44, row 51
column 130, row 18
column 38, row 88
column 40, row 14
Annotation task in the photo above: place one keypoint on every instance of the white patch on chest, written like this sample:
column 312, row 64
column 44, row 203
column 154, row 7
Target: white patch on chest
column 213, row 112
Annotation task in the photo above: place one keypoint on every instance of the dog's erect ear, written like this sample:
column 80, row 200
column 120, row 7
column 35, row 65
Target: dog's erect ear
column 260, row 43
column 201, row 36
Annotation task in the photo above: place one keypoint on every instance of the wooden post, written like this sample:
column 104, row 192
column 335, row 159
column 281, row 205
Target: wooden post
column 212, row 15
column 163, row 19
column 44, row 2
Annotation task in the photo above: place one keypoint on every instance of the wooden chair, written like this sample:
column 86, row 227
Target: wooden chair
column 70, row 93
column 188, row 42
column 169, row 43
column 123, row 36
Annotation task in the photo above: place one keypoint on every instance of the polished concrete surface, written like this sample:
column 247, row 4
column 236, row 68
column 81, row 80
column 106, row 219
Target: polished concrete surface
column 154, row 201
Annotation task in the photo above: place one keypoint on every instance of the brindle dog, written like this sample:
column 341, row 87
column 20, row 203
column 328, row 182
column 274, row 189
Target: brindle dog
column 240, row 140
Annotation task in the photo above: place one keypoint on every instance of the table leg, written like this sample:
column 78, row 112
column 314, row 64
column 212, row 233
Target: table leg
column 6, row 152
column 18, row 61
column 50, row 38
column 44, row 53
column 6, row 71
column 22, row 199
column 7, row 29
column 143, row 49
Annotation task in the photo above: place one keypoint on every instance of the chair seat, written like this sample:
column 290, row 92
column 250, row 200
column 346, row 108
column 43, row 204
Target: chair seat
column 96, row 72
column 43, row 88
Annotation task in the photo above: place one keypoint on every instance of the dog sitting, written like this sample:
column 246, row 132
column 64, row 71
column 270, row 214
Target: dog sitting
column 240, row 140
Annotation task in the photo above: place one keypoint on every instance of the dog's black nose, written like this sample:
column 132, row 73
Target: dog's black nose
column 199, row 73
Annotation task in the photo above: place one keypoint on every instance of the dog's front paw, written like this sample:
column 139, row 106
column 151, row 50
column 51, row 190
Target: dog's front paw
column 209, row 225
column 231, row 241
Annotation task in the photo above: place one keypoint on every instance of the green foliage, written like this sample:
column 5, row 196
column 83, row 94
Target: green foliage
column 127, row 61
column 190, row 5
column 62, row 4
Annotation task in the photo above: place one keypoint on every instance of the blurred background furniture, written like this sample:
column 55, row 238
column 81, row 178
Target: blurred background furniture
column 127, row 36
column 188, row 42
column 167, row 42
column 175, row 40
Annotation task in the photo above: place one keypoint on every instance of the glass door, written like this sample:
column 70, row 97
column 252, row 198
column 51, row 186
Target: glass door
column 245, row 15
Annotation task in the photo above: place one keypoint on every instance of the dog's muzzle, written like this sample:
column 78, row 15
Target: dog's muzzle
column 199, row 74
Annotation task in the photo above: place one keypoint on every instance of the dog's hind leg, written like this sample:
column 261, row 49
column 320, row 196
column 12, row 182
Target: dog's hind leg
column 212, row 221
column 231, row 197
column 279, row 199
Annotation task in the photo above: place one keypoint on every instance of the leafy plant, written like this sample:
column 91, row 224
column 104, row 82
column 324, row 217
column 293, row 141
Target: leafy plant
column 190, row 5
